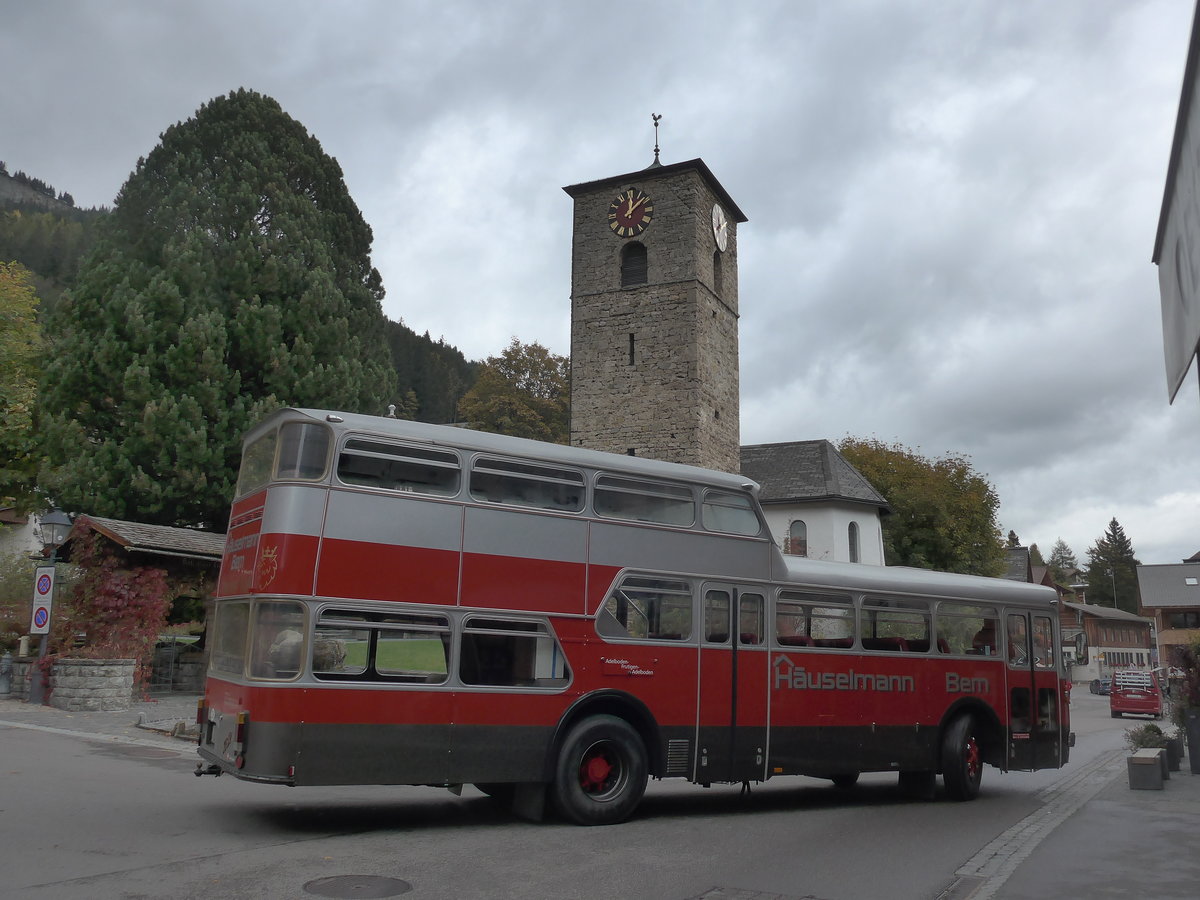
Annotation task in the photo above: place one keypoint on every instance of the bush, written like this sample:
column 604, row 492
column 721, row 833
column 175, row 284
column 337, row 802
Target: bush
column 1145, row 736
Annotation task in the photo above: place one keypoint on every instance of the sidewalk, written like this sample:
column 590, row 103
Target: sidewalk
column 1095, row 838
column 166, row 715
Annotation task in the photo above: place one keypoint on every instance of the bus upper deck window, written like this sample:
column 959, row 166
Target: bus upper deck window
column 526, row 484
column 638, row 500
column 258, row 459
column 399, row 467
column 729, row 513
column 303, row 451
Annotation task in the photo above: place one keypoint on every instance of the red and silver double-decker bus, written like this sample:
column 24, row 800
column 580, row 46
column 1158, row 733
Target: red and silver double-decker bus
column 402, row 603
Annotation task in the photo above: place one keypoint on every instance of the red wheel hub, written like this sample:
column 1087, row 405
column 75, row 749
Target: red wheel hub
column 597, row 768
column 972, row 757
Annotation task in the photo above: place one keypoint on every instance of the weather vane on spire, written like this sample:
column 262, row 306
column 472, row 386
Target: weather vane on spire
column 655, row 117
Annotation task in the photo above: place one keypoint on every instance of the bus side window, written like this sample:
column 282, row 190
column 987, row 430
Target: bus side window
column 503, row 652
column 964, row 629
column 895, row 625
column 716, row 617
column 277, row 650
column 751, row 625
column 1043, row 643
column 1018, row 642
column 814, row 620
column 648, row 608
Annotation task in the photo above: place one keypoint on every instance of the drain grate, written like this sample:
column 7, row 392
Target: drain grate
column 343, row 886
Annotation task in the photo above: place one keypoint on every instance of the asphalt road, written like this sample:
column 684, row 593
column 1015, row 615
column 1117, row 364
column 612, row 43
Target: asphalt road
column 125, row 817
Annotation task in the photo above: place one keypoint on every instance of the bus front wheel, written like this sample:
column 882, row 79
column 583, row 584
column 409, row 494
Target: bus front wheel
column 962, row 761
column 601, row 773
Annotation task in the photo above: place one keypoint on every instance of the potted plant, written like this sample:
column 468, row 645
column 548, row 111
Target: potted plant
column 1186, row 712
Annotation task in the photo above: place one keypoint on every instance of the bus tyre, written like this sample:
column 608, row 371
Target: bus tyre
column 962, row 762
column 601, row 772
column 844, row 780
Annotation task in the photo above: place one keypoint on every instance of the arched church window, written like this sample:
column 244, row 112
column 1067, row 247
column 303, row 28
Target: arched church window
column 797, row 544
column 852, row 533
column 634, row 264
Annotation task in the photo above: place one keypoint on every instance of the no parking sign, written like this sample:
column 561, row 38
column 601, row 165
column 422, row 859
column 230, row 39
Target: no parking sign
column 43, row 599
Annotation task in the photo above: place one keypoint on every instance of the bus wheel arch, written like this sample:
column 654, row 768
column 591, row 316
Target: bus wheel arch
column 619, row 705
column 990, row 735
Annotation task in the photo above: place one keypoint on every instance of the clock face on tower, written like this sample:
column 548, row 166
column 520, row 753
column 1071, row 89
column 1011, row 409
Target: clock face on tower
column 630, row 213
column 720, row 227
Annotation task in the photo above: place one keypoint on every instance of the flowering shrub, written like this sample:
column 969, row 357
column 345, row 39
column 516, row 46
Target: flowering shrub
column 114, row 612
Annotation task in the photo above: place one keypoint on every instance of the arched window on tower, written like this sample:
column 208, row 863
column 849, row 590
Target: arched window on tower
column 852, row 533
column 797, row 542
column 634, row 264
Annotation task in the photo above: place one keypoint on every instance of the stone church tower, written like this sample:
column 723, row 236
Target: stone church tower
column 654, row 316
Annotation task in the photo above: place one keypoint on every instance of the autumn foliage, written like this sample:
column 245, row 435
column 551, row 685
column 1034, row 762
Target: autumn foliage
column 118, row 611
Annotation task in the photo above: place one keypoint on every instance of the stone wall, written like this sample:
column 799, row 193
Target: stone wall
column 22, row 667
column 78, row 685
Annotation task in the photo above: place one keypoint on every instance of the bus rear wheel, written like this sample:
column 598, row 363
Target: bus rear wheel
column 601, row 773
column 844, row 780
column 962, row 761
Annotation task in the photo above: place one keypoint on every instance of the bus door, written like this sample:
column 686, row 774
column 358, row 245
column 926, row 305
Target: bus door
column 731, row 733
column 1036, row 720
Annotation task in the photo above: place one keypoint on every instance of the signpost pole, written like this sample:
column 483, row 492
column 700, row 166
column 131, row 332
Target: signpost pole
column 43, row 603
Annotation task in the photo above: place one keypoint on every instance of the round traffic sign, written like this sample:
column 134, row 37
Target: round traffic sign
column 43, row 584
column 41, row 616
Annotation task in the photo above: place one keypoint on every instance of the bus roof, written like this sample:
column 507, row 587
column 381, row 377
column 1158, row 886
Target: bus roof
column 903, row 580
column 468, row 439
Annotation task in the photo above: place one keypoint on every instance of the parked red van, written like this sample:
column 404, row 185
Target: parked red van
column 1135, row 692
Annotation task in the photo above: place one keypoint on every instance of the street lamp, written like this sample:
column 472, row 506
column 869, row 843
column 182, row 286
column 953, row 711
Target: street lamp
column 54, row 528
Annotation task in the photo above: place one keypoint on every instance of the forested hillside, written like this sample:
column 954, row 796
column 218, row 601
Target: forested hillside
column 43, row 230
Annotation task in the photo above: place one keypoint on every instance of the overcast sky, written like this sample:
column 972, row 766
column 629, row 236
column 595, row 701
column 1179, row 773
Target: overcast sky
column 952, row 205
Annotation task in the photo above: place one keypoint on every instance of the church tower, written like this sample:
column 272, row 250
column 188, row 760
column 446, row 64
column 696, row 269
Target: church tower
column 654, row 316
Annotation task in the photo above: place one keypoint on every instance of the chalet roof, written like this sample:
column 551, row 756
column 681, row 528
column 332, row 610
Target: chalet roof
column 1169, row 586
column 1105, row 612
column 806, row 471
column 1194, row 558
column 137, row 537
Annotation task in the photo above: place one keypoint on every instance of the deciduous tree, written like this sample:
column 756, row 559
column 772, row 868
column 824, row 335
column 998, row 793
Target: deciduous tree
column 523, row 392
column 232, row 277
column 943, row 511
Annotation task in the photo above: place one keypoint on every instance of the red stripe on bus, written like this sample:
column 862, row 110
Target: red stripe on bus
column 354, row 569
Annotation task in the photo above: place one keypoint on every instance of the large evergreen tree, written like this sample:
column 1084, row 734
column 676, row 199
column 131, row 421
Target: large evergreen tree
column 232, row 277
column 943, row 511
column 1113, row 567
column 1062, row 562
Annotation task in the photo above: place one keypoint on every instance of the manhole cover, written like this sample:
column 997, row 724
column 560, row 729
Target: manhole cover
column 357, row 886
